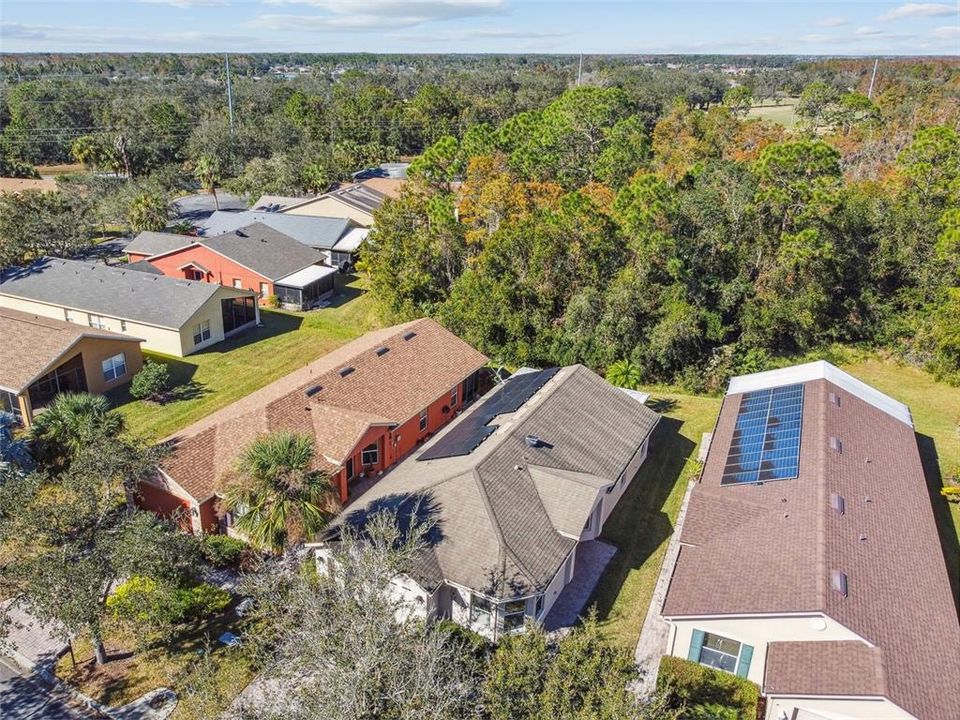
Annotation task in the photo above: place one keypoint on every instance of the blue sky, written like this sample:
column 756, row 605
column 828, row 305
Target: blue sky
column 565, row 26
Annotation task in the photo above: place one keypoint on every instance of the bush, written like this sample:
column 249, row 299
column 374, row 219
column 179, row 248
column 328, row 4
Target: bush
column 145, row 603
column 702, row 689
column 151, row 383
column 202, row 600
column 273, row 301
column 222, row 550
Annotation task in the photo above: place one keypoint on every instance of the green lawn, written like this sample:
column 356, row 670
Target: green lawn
column 641, row 525
column 784, row 114
column 232, row 369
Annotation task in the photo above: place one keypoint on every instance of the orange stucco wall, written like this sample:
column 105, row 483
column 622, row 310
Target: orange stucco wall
column 221, row 270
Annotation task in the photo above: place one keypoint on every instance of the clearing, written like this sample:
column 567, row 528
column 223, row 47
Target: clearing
column 785, row 113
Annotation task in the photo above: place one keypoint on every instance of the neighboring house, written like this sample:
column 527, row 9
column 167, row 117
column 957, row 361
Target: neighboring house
column 41, row 357
column 276, row 203
column 810, row 561
column 150, row 243
column 387, row 179
column 513, row 487
column 255, row 257
column 366, row 405
column 322, row 233
column 176, row 317
column 357, row 202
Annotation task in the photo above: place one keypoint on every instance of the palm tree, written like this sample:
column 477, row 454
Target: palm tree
column 625, row 374
column 276, row 495
column 207, row 171
column 72, row 422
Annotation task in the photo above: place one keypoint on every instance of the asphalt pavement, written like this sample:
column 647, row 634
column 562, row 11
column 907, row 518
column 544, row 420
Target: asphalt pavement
column 25, row 697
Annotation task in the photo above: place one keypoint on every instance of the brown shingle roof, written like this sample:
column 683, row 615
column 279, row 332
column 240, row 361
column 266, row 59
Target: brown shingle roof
column 839, row 667
column 771, row 548
column 32, row 344
column 382, row 389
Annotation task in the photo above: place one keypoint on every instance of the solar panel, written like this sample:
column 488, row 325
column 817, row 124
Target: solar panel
column 465, row 436
column 766, row 438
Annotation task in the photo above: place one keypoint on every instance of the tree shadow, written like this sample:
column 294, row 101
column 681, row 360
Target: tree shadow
column 949, row 541
column 190, row 390
column 638, row 526
column 181, row 375
column 662, row 405
column 345, row 290
column 272, row 323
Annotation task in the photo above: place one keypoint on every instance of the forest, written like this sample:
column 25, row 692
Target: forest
column 644, row 217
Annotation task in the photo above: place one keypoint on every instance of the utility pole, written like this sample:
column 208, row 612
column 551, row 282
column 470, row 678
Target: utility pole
column 872, row 79
column 580, row 70
column 226, row 60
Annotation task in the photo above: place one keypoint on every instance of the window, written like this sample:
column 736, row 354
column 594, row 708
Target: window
column 264, row 290
column 201, row 332
column 719, row 652
column 423, row 419
column 481, row 610
column 538, row 608
column 96, row 321
column 238, row 284
column 453, row 396
column 513, row 614
column 123, row 326
column 370, row 455
column 194, row 274
column 114, row 367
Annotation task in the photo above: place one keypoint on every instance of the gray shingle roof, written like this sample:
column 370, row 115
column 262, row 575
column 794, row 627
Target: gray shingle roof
column 359, row 196
column 112, row 291
column 500, row 510
column 264, row 250
column 157, row 243
column 318, row 232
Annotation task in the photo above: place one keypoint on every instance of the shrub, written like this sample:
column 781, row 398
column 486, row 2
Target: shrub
column 702, row 689
column 151, row 383
column 273, row 301
column 222, row 550
column 145, row 603
column 202, row 600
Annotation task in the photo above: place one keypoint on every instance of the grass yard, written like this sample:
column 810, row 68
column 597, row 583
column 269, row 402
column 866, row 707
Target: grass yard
column 643, row 521
column 234, row 368
column 784, row 114
column 641, row 525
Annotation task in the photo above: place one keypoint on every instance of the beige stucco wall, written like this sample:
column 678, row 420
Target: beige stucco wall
column 331, row 207
column 758, row 631
column 834, row 709
column 96, row 350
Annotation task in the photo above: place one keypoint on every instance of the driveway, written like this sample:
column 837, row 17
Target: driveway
column 25, row 697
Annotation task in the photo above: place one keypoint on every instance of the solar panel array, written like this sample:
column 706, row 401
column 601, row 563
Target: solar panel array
column 465, row 436
column 766, row 439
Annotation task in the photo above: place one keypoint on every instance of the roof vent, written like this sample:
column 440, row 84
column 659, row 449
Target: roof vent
column 863, row 537
column 838, row 503
column 532, row 440
column 314, row 390
column 346, row 371
column 409, row 336
column 835, row 399
column 381, row 351
column 838, row 582
column 835, row 444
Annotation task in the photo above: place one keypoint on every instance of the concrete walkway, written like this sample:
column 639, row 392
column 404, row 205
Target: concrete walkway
column 656, row 633
column 593, row 557
column 32, row 645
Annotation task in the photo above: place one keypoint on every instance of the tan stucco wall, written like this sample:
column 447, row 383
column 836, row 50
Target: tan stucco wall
column 835, row 709
column 211, row 312
column 96, row 350
column 331, row 207
column 758, row 632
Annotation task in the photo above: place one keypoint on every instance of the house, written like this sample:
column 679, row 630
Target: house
column 514, row 486
column 175, row 317
column 356, row 201
column 809, row 559
column 255, row 257
column 366, row 405
column 149, row 243
column 41, row 357
column 322, row 233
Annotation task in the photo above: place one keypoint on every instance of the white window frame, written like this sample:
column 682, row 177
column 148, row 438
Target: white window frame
column 264, row 290
column 123, row 326
column 373, row 448
column 424, row 418
column 504, row 614
column 96, row 321
column 454, row 395
column 238, row 283
column 736, row 658
column 489, row 613
column 201, row 331
column 111, row 367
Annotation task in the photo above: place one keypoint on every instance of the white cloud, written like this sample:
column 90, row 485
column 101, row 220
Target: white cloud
column 830, row 22
column 357, row 15
column 186, row 3
column 910, row 10
column 868, row 30
column 19, row 37
column 947, row 32
column 815, row 38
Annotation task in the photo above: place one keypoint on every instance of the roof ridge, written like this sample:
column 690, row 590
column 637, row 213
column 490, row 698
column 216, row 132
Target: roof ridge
column 504, row 546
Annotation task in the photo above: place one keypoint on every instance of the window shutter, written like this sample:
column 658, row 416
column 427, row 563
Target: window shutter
column 746, row 655
column 696, row 644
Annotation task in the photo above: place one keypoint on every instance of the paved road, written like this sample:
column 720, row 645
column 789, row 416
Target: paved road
column 25, row 697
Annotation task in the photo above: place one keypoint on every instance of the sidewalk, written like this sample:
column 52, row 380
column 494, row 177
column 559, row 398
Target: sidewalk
column 592, row 559
column 32, row 645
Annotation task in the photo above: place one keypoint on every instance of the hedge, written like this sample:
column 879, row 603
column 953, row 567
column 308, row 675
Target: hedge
column 706, row 692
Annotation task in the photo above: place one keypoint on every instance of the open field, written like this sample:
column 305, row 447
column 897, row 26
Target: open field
column 641, row 525
column 785, row 113
column 63, row 169
column 230, row 370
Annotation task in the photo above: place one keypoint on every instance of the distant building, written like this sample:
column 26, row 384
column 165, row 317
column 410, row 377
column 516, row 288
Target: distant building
column 41, row 357
column 810, row 561
column 514, row 486
column 176, row 317
column 357, row 202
